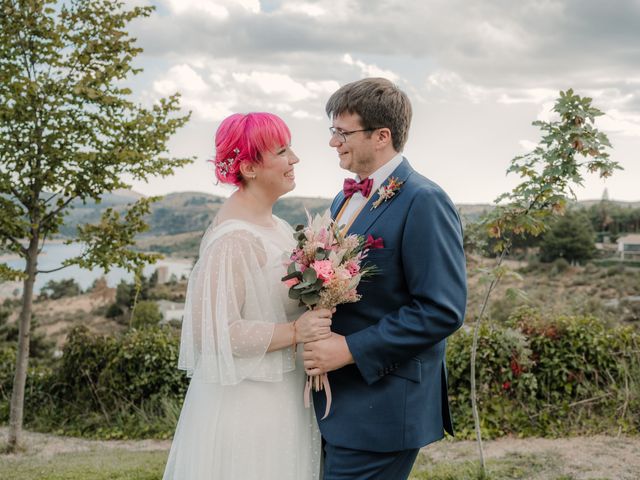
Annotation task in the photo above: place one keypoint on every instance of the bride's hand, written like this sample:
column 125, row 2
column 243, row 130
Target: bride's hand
column 314, row 325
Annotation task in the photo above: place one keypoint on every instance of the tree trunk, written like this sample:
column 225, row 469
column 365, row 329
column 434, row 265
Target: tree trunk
column 22, row 361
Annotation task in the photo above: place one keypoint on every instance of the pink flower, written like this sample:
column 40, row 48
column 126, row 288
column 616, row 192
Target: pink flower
column 322, row 236
column 352, row 267
column 297, row 255
column 291, row 282
column 324, row 269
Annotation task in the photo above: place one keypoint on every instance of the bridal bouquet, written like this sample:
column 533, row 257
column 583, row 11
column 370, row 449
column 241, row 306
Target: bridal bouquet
column 326, row 267
column 324, row 270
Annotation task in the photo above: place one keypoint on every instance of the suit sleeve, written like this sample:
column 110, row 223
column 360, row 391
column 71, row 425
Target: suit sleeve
column 433, row 265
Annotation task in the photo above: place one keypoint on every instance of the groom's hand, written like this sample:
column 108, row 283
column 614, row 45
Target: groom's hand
column 326, row 355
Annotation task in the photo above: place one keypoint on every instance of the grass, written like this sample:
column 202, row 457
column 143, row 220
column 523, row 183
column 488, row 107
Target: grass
column 111, row 464
column 122, row 464
column 513, row 466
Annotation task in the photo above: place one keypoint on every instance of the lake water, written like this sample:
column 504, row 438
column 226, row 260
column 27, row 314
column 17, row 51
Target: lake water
column 55, row 253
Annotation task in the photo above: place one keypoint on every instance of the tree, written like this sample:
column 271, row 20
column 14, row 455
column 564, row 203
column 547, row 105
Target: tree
column 570, row 146
column 146, row 314
column 570, row 237
column 54, row 290
column 69, row 132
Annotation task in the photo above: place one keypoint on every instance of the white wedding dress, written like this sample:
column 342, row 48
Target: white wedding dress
column 243, row 416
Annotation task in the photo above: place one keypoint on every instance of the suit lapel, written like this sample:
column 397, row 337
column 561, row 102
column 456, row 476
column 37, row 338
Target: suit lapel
column 337, row 205
column 367, row 217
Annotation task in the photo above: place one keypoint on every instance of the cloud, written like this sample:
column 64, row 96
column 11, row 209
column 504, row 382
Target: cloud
column 311, row 10
column 449, row 86
column 626, row 124
column 197, row 94
column 274, row 85
column 218, row 9
column 369, row 70
column 213, row 90
column 481, row 70
column 180, row 77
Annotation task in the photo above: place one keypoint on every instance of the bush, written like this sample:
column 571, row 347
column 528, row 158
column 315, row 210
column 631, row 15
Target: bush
column 113, row 311
column 39, row 345
column 62, row 288
column 146, row 314
column 104, row 386
column 568, row 376
column 571, row 237
column 560, row 265
column 143, row 366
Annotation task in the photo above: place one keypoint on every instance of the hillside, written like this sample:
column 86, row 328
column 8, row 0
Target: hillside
column 183, row 212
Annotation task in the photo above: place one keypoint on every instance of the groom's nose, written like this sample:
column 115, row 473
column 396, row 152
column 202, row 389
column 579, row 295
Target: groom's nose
column 334, row 142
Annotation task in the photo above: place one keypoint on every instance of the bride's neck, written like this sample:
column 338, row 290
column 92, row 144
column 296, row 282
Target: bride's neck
column 250, row 205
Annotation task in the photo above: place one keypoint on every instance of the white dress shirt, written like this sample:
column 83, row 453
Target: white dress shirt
column 357, row 201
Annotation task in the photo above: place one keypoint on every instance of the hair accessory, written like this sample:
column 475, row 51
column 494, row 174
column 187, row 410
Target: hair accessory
column 225, row 165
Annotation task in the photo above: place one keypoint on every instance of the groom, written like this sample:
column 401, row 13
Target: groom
column 386, row 357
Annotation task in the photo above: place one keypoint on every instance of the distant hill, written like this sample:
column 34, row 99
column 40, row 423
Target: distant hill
column 90, row 212
column 184, row 212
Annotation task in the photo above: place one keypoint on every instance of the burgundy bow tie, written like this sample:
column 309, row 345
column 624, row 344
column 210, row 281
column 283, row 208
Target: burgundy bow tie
column 350, row 187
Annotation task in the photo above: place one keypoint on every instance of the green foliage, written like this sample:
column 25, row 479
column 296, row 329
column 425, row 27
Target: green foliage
column 570, row 237
column 62, row 288
column 104, row 386
column 549, row 172
column 144, row 366
column 146, row 314
column 114, row 311
column 538, row 377
column 608, row 218
column 40, row 347
column 69, row 132
column 126, row 292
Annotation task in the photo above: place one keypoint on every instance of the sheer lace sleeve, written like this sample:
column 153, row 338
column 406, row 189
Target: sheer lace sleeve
column 231, row 311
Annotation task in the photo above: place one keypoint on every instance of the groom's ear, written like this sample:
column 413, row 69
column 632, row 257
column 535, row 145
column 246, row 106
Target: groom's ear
column 383, row 138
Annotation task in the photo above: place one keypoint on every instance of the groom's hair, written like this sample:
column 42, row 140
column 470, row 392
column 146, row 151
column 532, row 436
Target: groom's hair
column 379, row 103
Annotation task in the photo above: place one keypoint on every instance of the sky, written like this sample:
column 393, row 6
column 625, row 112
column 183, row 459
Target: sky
column 477, row 74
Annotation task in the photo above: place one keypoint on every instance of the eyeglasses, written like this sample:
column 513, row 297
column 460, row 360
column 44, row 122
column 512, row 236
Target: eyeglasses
column 342, row 135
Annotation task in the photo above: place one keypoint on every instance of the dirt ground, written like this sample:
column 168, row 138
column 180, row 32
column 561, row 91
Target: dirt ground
column 594, row 457
column 580, row 457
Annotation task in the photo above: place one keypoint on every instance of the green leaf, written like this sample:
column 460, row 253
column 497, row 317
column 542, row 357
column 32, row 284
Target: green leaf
column 291, row 275
column 310, row 299
column 294, row 294
column 310, row 275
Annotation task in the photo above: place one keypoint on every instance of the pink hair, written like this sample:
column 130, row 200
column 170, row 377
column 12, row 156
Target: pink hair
column 242, row 139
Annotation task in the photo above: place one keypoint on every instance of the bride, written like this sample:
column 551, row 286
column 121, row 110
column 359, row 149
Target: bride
column 243, row 416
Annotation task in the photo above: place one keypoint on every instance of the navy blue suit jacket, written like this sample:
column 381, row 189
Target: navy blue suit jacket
column 395, row 395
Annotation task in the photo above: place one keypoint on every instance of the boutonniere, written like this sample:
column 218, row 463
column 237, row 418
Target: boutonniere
column 388, row 191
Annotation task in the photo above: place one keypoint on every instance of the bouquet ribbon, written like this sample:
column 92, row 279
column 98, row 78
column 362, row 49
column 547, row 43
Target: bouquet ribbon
column 327, row 391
